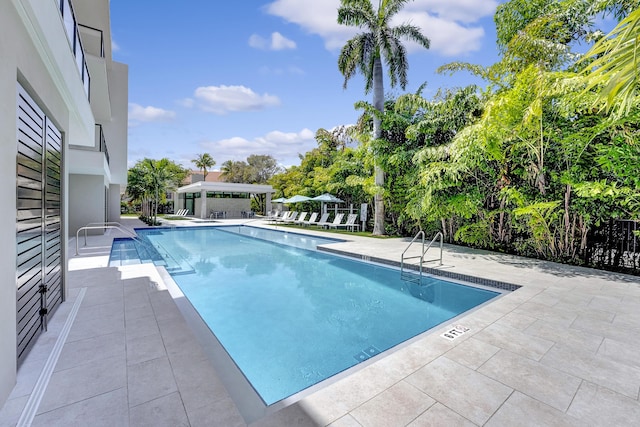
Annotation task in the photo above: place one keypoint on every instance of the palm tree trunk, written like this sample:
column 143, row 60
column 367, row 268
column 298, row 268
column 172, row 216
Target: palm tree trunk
column 155, row 208
column 378, row 104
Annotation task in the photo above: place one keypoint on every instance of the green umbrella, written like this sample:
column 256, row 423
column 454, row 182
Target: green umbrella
column 297, row 199
column 329, row 198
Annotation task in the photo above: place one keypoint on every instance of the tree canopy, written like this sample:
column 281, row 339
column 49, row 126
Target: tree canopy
column 534, row 163
column 257, row 169
column 149, row 180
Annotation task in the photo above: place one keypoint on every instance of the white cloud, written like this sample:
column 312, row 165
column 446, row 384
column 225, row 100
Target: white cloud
column 449, row 38
column 138, row 113
column 224, row 99
column 257, row 42
column 277, row 42
column 464, row 11
column 316, row 17
column 447, row 23
column 282, row 146
column 280, row 42
column 114, row 46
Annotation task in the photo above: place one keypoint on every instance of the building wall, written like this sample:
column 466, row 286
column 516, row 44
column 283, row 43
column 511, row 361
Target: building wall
column 117, row 127
column 35, row 52
column 113, row 213
column 195, row 176
column 232, row 207
column 8, row 67
column 88, row 205
column 28, row 57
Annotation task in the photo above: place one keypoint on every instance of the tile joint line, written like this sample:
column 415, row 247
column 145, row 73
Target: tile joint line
column 31, row 408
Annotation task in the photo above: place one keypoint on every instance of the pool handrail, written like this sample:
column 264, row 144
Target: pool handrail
column 103, row 226
column 424, row 250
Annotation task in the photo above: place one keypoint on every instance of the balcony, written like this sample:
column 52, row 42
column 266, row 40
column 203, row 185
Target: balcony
column 91, row 160
column 93, row 42
column 73, row 34
column 102, row 143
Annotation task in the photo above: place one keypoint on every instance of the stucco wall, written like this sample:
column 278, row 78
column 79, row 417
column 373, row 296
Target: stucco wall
column 117, row 127
column 8, row 66
column 86, row 201
column 34, row 51
column 113, row 214
column 233, row 207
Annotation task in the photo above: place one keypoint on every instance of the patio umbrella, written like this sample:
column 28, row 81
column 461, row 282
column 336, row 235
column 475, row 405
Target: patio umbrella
column 327, row 198
column 297, row 198
column 279, row 200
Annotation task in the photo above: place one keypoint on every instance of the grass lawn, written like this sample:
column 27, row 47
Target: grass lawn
column 293, row 226
column 338, row 231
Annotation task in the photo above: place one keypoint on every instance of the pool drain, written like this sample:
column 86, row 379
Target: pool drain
column 367, row 353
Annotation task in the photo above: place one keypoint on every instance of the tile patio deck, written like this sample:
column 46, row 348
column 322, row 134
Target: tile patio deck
column 561, row 350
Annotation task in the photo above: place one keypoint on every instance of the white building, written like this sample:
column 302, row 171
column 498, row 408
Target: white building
column 220, row 199
column 63, row 135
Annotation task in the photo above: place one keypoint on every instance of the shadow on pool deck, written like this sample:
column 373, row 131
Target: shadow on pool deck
column 561, row 350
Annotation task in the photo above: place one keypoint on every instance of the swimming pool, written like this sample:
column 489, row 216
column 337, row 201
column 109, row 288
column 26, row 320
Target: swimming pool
column 290, row 316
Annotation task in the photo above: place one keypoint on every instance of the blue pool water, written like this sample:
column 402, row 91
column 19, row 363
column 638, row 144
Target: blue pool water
column 291, row 316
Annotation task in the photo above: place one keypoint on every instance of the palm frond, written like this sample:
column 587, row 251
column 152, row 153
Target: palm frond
column 357, row 15
column 615, row 68
column 412, row 33
column 350, row 58
column 391, row 7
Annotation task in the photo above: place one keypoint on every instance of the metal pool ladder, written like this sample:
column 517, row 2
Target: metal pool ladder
column 104, row 226
column 410, row 277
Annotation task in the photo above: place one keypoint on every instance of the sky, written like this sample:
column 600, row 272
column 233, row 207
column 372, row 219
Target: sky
column 261, row 77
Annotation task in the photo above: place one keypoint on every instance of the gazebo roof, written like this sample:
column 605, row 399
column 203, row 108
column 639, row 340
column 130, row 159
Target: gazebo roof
column 227, row 187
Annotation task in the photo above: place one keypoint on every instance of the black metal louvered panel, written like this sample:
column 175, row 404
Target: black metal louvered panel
column 29, row 225
column 38, row 221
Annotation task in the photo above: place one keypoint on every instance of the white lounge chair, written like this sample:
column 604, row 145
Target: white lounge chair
column 274, row 216
column 293, row 217
column 311, row 220
column 350, row 224
column 322, row 221
column 300, row 219
column 336, row 220
column 287, row 215
column 180, row 212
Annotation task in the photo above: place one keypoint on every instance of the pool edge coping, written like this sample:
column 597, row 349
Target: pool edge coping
column 491, row 283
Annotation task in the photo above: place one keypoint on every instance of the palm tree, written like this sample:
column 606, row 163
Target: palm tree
column 616, row 65
column 234, row 171
column 365, row 52
column 202, row 162
column 138, row 187
column 161, row 176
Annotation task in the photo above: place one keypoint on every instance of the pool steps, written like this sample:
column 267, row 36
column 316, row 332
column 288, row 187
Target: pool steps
column 127, row 251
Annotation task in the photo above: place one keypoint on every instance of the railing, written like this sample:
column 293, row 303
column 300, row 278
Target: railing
column 412, row 277
column 102, row 142
column 181, row 265
column 614, row 245
column 73, row 34
column 103, row 226
column 93, row 40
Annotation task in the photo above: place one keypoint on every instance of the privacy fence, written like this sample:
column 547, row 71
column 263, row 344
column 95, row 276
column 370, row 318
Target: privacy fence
column 615, row 246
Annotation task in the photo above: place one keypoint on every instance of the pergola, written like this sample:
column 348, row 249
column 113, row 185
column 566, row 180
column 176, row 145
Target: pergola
column 203, row 188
